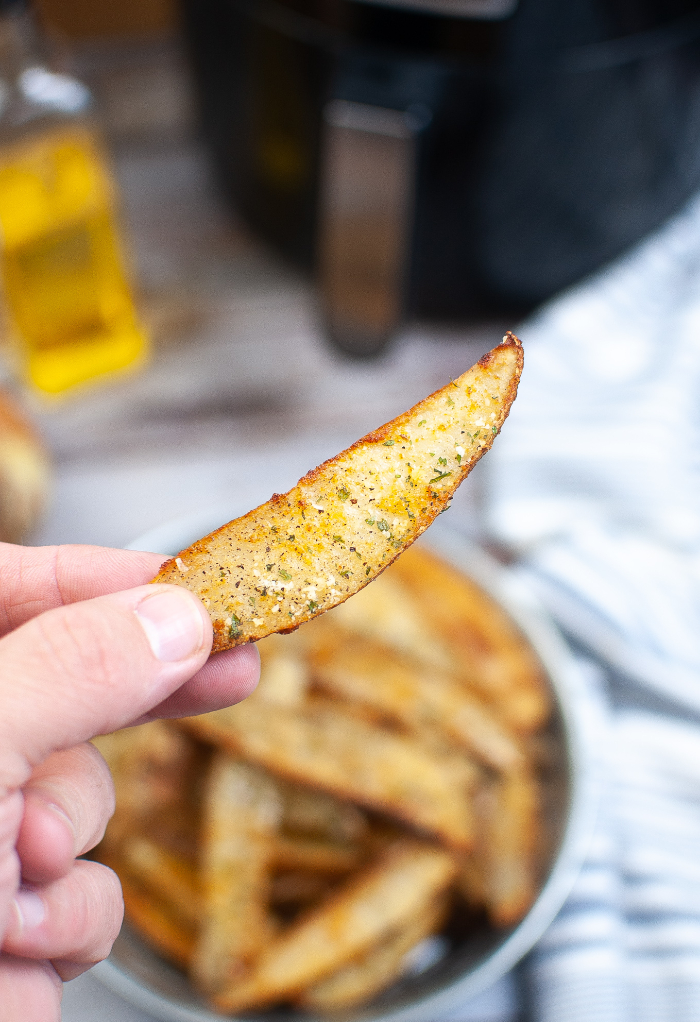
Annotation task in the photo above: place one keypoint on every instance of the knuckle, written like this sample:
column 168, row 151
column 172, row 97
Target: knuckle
column 103, row 799
column 85, row 911
column 79, row 783
column 80, row 646
column 11, row 809
column 106, row 912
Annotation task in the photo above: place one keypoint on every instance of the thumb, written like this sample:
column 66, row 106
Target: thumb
column 91, row 667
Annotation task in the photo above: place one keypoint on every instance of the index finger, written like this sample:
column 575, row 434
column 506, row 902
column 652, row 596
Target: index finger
column 36, row 579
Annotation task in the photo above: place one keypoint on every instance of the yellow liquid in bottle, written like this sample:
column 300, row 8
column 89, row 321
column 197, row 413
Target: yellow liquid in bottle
column 65, row 289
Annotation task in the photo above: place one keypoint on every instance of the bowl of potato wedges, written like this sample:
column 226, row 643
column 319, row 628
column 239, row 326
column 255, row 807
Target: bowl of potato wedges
column 382, row 830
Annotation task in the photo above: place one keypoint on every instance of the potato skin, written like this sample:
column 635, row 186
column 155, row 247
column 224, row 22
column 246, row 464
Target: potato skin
column 345, row 521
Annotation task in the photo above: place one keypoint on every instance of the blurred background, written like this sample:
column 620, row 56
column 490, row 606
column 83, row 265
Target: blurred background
column 239, row 234
column 324, row 209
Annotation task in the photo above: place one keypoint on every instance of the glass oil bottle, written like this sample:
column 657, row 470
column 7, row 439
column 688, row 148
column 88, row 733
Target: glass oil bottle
column 68, row 306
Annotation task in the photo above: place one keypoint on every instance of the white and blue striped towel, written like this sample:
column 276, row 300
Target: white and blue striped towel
column 595, row 482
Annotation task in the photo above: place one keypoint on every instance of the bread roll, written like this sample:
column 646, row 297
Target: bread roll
column 24, row 474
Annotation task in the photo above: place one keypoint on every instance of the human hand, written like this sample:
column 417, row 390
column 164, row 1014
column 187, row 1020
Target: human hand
column 82, row 653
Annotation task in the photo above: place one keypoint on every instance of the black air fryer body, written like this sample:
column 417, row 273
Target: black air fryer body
column 548, row 140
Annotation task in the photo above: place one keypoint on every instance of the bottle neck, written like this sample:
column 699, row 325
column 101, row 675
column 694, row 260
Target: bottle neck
column 32, row 95
column 19, row 45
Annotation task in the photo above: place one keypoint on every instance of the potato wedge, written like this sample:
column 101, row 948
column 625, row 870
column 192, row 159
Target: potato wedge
column 372, row 675
column 160, row 912
column 316, row 856
column 151, row 767
column 497, row 660
column 156, row 922
column 308, row 550
column 172, row 879
column 512, row 870
column 242, row 810
column 386, row 612
column 381, row 965
column 322, row 746
column 309, row 813
column 502, row 872
column 376, row 902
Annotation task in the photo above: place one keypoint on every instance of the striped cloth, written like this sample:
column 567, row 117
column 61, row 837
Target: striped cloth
column 595, row 481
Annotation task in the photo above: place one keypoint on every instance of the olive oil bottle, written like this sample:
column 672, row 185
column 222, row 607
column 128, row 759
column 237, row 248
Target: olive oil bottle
column 68, row 306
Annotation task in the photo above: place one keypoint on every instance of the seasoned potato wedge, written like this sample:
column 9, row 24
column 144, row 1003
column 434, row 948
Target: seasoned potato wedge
column 501, row 874
column 151, row 766
column 308, row 550
column 499, row 662
column 378, row 967
column 309, row 813
column 511, row 870
column 169, row 877
column 371, row 675
column 241, row 814
column 324, row 747
column 156, row 921
column 317, row 856
column 377, row 901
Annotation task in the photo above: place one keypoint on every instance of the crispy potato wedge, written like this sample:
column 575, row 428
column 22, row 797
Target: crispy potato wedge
column 242, row 810
column 156, row 921
column 172, row 879
column 316, row 856
column 378, row 967
column 368, row 673
column 513, row 879
column 498, row 662
column 377, row 901
column 151, row 766
column 501, row 874
column 386, row 612
column 316, row 815
column 308, row 550
column 325, row 747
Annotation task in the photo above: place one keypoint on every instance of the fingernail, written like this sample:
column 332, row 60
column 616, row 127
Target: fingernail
column 172, row 623
column 30, row 908
column 56, row 810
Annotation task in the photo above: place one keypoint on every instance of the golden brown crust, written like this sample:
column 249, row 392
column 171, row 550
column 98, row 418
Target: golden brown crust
column 242, row 808
column 359, row 980
column 378, row 900
column 325, row 747
column 345, row 521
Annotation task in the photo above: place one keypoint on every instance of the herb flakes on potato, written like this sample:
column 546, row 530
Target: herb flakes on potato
column 308, row 550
